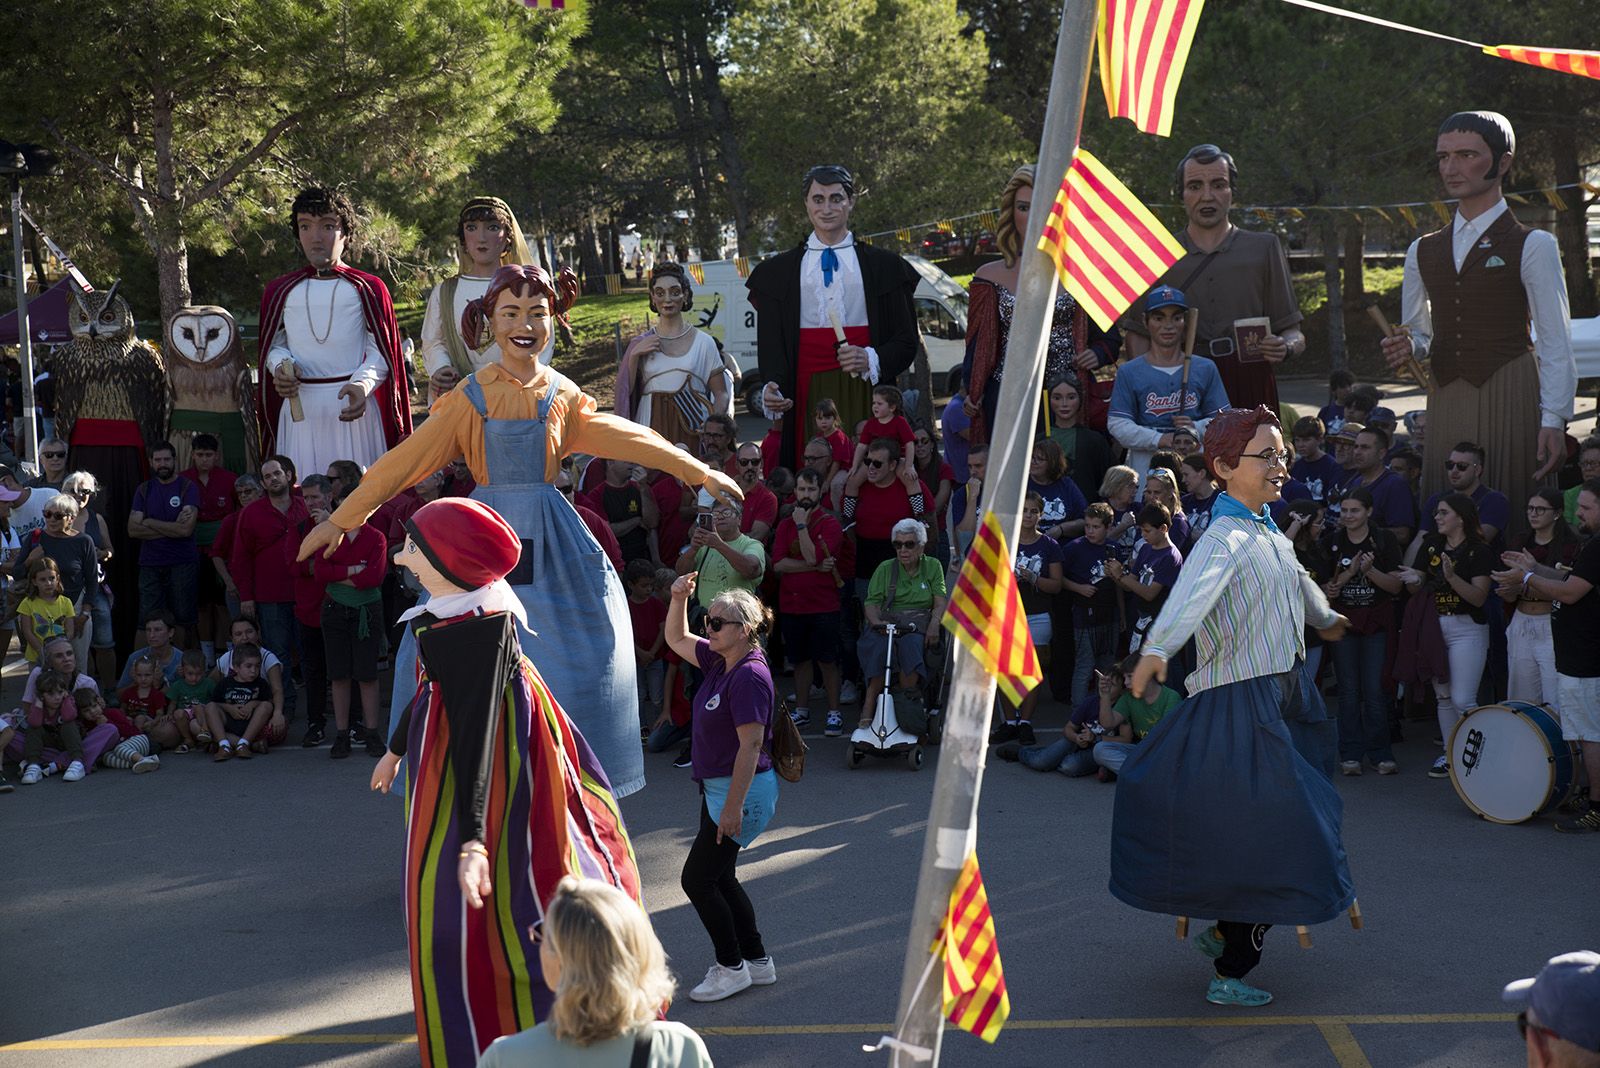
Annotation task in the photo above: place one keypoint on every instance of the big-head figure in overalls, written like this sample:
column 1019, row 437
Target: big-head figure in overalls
column 513, row 421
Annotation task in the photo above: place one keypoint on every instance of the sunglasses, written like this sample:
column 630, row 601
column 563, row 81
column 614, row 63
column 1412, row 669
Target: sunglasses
column 54, row 455
column 905, row 545
column 1455, row 465
column 751, row 463
column 58, row 515
column 716, row 623
column 873, row 463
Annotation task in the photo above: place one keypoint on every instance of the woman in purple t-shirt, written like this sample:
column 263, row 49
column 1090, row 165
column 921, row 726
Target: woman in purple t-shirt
column 738, row 787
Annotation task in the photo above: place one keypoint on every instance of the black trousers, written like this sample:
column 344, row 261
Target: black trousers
column 713, row 888
column 1241, row 947
column 314, row 672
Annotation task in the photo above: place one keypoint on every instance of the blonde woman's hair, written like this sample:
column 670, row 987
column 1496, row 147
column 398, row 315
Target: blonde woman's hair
column 1170, row 480
column 755, row 616
column 1117, row 479
column 614, row 974
column 1006, row 238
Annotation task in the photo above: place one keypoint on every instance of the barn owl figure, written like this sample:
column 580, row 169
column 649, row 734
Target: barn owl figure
column 107, row 374
column 211, row 385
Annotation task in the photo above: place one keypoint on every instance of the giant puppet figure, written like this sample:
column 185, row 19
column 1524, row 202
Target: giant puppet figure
column 1217, row 812
column 807, row 297
column 503, row 795
column 333, row 385
column 1471, row 289
column 211, row 388
column 513, row 421
column 487, row 238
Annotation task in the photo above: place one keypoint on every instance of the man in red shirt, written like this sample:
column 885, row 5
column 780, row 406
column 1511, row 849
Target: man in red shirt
column 880, row 493
column 803, row 554
column 760, row 503
column 216, row 503
column 317, row 493
column 266, row 586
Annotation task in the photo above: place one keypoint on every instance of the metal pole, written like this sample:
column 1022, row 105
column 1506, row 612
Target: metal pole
column 30, row 424
column 952, row 815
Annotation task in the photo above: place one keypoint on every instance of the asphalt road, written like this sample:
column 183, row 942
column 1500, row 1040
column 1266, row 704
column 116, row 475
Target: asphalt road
column 248, row 914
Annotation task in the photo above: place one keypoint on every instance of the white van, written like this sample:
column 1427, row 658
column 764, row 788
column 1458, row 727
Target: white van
column 722, row 309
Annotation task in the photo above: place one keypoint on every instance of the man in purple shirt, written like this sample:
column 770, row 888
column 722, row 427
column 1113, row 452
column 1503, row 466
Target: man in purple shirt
column 165, row 509
column 1463, row 471
column 1394, row 506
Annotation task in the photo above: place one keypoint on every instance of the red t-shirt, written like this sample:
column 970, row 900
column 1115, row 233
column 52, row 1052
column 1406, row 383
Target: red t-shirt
column 151, row 705
column 216, row 496
column 256, row 562
column 808, row 592
column 602, row 533
column 760, row 506
column 897, row 428
column 649, row 619
column 843, row 451
column 771, row 446
column 672, row 528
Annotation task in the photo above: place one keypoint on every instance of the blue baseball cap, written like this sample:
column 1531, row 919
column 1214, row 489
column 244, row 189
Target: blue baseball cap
column 1565, row 997
column 1164, row 297
column 1381, row 415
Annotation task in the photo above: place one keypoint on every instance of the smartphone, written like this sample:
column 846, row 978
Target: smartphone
column 705, row 522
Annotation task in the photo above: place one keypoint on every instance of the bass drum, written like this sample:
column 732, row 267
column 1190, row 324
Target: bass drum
column 1509, row 763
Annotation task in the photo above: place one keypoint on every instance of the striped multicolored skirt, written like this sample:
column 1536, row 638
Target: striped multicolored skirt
column 475, row 972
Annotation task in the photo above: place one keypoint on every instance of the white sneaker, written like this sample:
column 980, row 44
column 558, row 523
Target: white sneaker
column 32, row 774
column 721, row 982
column 74, row 771
column 762, row 972
column 848, row 694
column 144, row 764
column 1350, row 767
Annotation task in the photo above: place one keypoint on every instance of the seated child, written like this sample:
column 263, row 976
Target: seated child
column 241, row 705
column 1138, row 711
column 244, row 631
column 888, row 421
column 132, row 751
column 52, row 719
column 182, row 718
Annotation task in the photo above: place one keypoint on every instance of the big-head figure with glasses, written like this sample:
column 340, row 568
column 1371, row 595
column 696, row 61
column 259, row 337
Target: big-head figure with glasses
column 832, row 284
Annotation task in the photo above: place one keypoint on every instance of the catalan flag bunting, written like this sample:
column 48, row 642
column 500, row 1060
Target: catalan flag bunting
column 1441, row 210
column 988, row 220
column 1565, row 60
column 1408, row 215
column 1143, row 46
column 975, row 996
column 742, row 265
column 903, row 235
column 985, row 614
column 698, row 273
column 1107, row 246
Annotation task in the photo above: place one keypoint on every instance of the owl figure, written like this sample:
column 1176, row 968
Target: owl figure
column 212, row 391
column 107, row 374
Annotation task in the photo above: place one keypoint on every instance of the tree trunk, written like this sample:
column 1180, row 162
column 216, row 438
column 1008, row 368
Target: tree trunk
column 172, row 251
column 1335, row 305
column 589, row 259
column 673, row 70
column 1355, row 238
column 737, row 183
column 1572, row 226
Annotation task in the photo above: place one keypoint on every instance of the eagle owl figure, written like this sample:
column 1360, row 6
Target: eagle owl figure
column 105, row 372
column 212, row 388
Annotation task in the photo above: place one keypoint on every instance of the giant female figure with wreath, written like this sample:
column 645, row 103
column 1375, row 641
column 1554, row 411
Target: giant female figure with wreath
column 487, row 238
column 514, row 421
column 671, row 375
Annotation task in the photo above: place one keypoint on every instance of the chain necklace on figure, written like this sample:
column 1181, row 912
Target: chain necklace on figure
column 333, row 294
column 672, row 337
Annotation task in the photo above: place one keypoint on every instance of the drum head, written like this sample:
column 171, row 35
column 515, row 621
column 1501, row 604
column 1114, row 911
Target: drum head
column 1501, row 764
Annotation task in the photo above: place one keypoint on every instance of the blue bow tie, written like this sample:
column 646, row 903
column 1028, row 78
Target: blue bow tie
column 830, row 263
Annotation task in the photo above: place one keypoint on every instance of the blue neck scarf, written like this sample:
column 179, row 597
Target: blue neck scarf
column 1227, row 505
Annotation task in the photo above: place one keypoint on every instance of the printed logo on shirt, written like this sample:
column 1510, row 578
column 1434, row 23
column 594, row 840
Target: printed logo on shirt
column 711, row 705
column 1055, row 510
column 175, row 501
column 1159, row 404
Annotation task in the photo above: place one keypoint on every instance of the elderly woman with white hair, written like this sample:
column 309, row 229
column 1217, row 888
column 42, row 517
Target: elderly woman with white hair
column 609, row 973
column 909, row 592
column 82, row 487
column 739, row 790
column 74, row 555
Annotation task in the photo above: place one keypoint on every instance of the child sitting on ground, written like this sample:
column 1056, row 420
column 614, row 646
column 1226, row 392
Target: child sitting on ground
column 181, row 722
column 45, row 612
column 132, row 751
column 240, row 706
column 244, row 631
column 52, row 719
column 887, row 421
column 1139, row 711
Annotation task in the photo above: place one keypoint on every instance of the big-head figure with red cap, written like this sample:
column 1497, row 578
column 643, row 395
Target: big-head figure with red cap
column 503, row 795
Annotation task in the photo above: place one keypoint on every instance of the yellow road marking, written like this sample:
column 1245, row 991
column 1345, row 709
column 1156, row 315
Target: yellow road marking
column 1335, row 1029
column 1346, row 1050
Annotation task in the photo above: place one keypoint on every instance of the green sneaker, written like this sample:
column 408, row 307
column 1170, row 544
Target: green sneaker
column 1236, row 992
column 1209, row 942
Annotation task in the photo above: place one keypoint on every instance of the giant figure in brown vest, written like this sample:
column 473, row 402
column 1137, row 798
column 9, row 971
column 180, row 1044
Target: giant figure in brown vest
column 1471, row 290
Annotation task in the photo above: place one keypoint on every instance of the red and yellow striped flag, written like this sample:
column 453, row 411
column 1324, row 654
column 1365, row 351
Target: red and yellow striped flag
column 1107, row 246
column 975, row 996
column 1143, row 46
column 1565, row 60
column 985, row 614
column 554, row 5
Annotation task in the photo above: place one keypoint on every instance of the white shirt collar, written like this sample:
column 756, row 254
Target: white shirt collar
column 1481, row 223
column 814, row 243
column 498, row 596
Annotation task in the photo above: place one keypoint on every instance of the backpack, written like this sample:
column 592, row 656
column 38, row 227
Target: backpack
column 784, row 744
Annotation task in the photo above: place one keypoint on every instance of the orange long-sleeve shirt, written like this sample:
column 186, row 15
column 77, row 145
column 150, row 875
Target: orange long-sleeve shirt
column 453, row 429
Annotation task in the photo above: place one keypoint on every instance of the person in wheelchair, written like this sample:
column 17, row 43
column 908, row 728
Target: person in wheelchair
column 908, row 591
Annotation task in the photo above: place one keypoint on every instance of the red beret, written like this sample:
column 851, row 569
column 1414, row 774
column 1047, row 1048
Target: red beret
column 466, row 540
